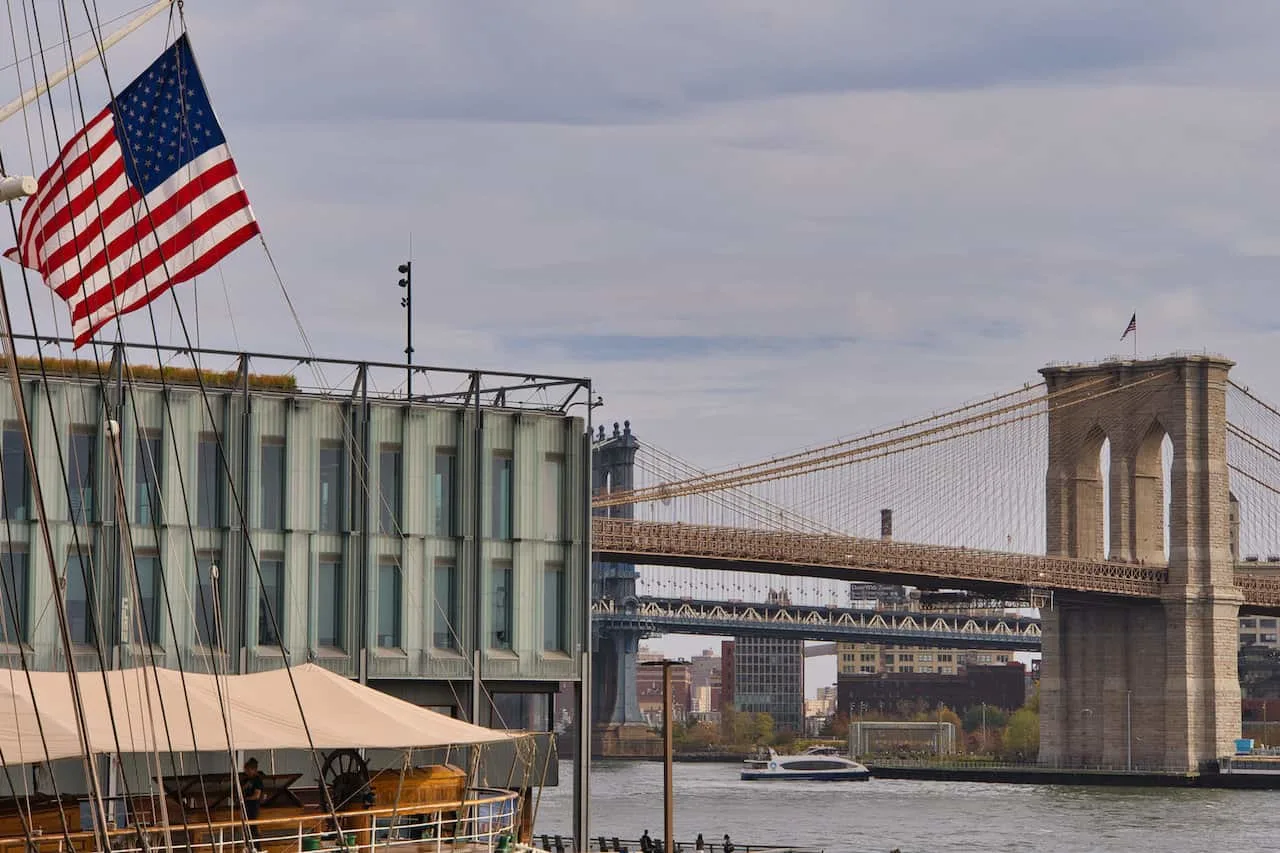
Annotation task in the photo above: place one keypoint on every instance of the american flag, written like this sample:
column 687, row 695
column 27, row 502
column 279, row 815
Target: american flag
column 145, row 197
column 1132, row 327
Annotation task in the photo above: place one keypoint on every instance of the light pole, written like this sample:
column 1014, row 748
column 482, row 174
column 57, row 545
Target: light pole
column 668, row 807
column 406, row 302
column 1128, row 729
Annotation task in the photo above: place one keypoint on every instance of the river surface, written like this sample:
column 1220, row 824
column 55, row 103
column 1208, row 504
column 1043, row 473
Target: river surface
column 918, row 817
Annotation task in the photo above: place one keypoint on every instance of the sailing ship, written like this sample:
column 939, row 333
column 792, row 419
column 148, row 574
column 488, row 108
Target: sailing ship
column 145, row 757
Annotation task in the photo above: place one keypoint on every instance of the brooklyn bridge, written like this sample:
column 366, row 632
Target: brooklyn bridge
column 1130, row 499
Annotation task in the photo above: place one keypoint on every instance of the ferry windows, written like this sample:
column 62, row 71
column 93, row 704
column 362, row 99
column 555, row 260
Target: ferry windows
column 14, row 609
column 331, row 602
column 271, row 479
column 80, row 474
column 208, row 482
column 444, row 611
column 501, row 602
column 442, row 490
column 500, row 517
column 389, row 605
column 205, row 599
column 146, row 617
column 553, row 599
column 146, row 478
column 80, row 600
column 389, row 490
column 553, row 497
column 270, row 601
column 330, row 487
column 14, row 459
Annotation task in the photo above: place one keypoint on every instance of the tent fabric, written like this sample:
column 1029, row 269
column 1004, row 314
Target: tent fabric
column 25, row 732
column 143, row 709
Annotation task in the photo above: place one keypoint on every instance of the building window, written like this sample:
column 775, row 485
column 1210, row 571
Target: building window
column 330, row 486
column 271, row 601
column 389, row 490
column 207, row 603
column 146, row 478
column 521, row 712
column 147, row 610
column 442, row 490
column 500, row 517
column 14, row 581
column 271, row 478
column 80, row 599
column 15, row 472
column 389, row 605
column 553, row 497
column 208, row 482
column 332, row 601
column 553, row 609
column 501, row 606
column 80, row 474
column 444, row 615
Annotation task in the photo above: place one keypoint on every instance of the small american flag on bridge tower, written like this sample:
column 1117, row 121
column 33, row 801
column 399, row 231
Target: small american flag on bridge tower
column 146, row 196
column 1132, row 327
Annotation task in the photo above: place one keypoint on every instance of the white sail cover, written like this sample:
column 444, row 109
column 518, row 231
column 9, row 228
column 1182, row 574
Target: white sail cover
column 162, row 709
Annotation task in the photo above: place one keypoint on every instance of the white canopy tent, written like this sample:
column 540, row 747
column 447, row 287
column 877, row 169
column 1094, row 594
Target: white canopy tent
column 165, row 710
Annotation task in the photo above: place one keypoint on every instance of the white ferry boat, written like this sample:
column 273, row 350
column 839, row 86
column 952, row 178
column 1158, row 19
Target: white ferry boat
column 816, row 763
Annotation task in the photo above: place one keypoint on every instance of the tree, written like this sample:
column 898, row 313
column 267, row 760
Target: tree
column 837, row 727
column 1022, row 735
column 761, row 727
column 993, row 717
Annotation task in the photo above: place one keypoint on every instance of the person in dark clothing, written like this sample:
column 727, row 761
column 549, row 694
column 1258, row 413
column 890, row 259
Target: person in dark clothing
column 699, row 844
column 251, row 790
column 646, row 843
column 728, row 845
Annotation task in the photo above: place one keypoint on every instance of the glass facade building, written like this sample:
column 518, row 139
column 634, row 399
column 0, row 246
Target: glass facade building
column 768, row 677
column 399, row 542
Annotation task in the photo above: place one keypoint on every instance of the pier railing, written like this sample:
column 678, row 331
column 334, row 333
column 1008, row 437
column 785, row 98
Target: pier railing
column 614, row 844
column 476, row 823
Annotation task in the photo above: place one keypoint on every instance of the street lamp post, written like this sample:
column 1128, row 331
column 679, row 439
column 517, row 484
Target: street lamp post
column 406, row 302
column 1128, row 729
column 668, row 806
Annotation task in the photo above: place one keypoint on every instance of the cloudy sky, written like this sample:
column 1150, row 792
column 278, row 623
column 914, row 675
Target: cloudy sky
column 756, row 225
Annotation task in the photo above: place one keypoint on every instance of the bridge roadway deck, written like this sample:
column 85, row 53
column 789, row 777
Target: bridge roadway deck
column 809, row 622
column 927, row 566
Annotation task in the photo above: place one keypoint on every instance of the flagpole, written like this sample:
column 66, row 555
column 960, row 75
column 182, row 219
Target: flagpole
column 82, row 60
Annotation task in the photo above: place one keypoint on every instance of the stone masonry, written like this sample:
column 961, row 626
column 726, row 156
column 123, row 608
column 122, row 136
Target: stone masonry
column 1167, row 666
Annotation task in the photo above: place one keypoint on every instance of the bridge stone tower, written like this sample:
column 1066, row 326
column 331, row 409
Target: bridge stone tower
column 620, row 728
column 1155, row 681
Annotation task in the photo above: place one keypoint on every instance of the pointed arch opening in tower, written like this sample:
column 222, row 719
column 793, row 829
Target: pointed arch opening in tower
column 1152, row 465
column 1089, row 514
column 1104, row 474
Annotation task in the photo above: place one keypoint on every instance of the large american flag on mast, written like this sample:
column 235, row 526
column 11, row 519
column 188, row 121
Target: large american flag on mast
column 145, row 197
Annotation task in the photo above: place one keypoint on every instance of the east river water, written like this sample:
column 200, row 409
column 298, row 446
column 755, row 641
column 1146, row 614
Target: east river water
column 917, row 817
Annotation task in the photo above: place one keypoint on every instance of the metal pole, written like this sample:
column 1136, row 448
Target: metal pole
column 406, row 302
column 582, row 758
column 1128, row 726
column 668, row 813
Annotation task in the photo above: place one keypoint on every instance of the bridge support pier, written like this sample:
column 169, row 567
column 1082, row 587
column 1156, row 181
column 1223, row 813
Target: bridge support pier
column 1155, row 680
column 619, row 729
